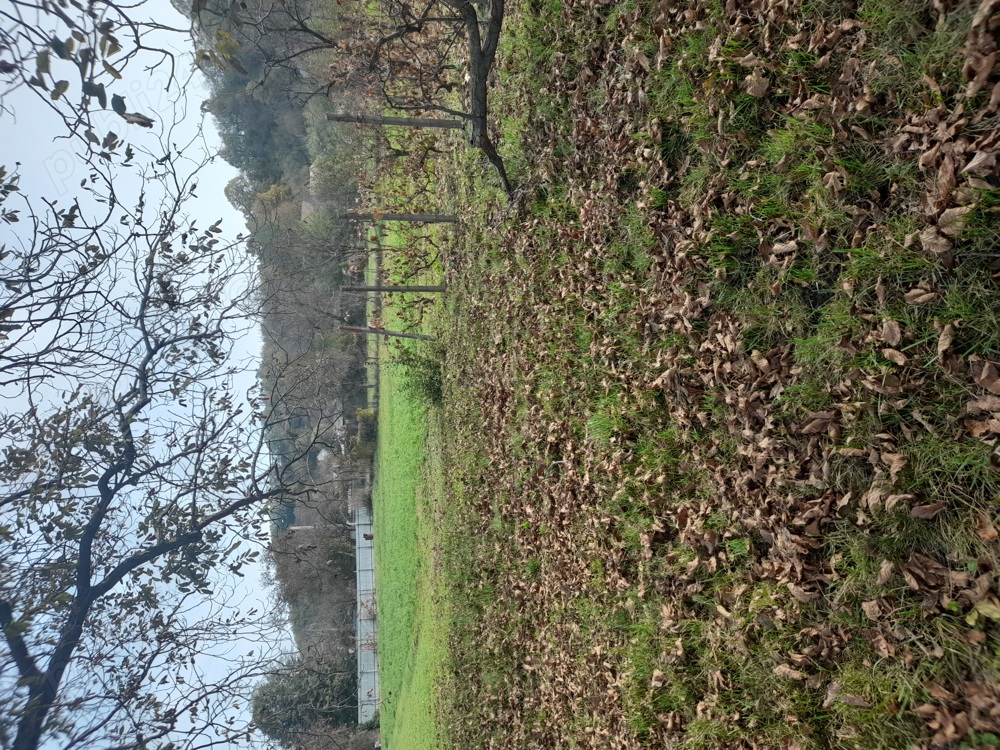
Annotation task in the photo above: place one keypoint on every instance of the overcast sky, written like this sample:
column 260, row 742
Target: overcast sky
column 48, row 167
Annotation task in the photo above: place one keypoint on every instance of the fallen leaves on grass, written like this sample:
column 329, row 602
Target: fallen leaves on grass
column 786, row 672
column 641, row 440
column 926, row 512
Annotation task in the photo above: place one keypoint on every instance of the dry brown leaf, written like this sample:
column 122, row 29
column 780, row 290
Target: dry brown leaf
column 760, row 360
column 801, row 594
column 872, row 609
column 983, row 66
column 817, row 422
column 945, row 339
column 980, row 405
column 920, row 296
column 833, row 181
column 985, row 10
column 959, row 578
column 946, row 178
column 784, row 248
column 929, row 157
column 980, row 184
column 832, row 691
column 756, row 84
column 982, row 164
column 924, row 573
column 978, row 428
column 987, row 375
column 874, row 496
column 891, row 333
column 895, row 462
column 854, row 700
column 815, row 426
column 882, row 647
column 910, row 579
column 788, row 673
column 852, row 452
column 932, row 241
column 863, row 104
column 952, row 221
column 895, row 356
column 885, row 572
column 926, row 511
column 985, row 528
column 851, row 66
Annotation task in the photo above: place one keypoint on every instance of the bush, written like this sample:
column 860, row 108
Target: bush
column 362, row 451
column 367, row 427
column 422, row 366
column 371, row 725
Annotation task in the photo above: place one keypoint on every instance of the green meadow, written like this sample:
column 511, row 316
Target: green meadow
column 412, row 619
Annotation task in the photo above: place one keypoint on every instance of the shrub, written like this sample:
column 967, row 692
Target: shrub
column 422, row 366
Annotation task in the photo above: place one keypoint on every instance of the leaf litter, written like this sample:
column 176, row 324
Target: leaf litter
column 724, row 433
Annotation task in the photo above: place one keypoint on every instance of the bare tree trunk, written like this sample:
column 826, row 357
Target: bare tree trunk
column 383, row 332
column 379, row 216
column 353, row 288
column 405, row 122
column 481, row 56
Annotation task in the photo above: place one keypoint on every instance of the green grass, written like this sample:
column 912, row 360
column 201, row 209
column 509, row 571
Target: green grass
column 411, row 609
column 752, row 177
column 399, row 563
column 646, row 534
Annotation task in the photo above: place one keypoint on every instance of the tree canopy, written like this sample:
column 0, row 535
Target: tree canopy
column 133, row 461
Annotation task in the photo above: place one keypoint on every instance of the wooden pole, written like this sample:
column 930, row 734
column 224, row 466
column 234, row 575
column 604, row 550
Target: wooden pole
column 403, row 122
column 383, row 332
column 353, row 288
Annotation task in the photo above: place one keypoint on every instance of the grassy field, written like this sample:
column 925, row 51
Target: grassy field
column 721, row 385
column 411, row 609
column 408, row 634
